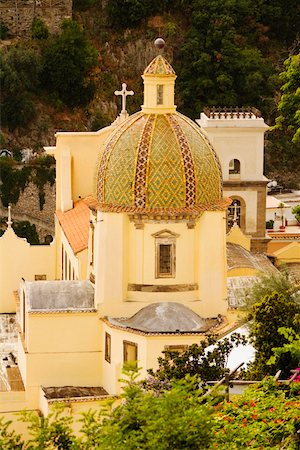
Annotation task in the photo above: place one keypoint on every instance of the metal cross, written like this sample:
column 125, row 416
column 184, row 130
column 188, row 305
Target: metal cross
column 124, row 94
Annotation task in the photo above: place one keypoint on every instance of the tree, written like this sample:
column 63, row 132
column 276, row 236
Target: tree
column 27, row 230
column 292, row 346
column 19, row 79
column 222, row 62
column 39, row 29
column 289, row 104
column 281, row 282
column 283, row 12
column 67, row 61
column 206, row 360
column 130, row 13
column 296, row 212
column 272, row 313
column 177, row 419
column 266, row 416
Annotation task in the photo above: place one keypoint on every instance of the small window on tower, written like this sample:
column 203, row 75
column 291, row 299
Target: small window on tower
column 165, row 254
column 160, row 94
column 165, row 260
column 234, row 168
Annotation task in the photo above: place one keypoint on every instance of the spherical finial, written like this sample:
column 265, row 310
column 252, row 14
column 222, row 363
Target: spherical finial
column 159, row 43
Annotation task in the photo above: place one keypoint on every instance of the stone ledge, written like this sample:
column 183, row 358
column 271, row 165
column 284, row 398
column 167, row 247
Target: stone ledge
column 162, row 287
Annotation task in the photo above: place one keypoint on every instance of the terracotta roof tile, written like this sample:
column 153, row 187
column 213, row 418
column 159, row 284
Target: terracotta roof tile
column 75, row 224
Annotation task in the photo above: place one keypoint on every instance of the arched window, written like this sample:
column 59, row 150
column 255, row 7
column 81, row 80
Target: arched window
column 236, row 213
column 234, row 169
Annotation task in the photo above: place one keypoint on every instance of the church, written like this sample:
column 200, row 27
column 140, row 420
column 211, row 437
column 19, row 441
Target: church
column 155, row 213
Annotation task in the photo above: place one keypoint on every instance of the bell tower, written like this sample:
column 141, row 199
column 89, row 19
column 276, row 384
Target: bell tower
column 238, row 137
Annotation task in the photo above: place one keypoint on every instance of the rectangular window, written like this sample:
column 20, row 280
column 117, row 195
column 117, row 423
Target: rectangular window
column 165, row 260
column 40, row 277
column 160, row 94
column 107, row 347
column 165, row 251
column 176, row 348
column 130, row 353
column 165, row 254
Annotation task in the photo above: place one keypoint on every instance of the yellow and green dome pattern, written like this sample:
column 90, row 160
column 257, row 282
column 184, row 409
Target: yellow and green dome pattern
column 159, row 163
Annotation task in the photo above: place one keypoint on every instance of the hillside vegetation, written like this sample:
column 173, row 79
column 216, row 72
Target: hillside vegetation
column 225, row 53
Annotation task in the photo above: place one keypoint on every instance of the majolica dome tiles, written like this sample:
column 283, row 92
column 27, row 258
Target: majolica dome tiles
column 159, row 163
column 159, row 66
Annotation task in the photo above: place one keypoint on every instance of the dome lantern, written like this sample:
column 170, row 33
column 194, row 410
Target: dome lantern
column 159, row 84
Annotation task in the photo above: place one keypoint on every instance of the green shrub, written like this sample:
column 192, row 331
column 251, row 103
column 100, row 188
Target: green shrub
column 39, row 30
column 68, row 59
column 3, row 31
column 25, row 229
column 296, row 212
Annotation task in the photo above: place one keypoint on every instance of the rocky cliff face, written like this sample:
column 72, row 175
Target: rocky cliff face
column 18, row 15
column 28, row 209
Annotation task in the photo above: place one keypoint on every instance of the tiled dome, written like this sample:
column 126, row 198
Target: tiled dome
column 159, row 163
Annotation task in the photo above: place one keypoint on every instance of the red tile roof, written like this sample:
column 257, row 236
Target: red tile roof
column 75, row 224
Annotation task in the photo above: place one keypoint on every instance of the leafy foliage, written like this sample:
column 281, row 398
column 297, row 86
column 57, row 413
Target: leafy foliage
column 292, row 346
column 14, row 179
column 68, row 58
column 39, row 29
column 269, row 282
column 175, row 420
column 84, row 5
column 223, row 65
column 289, row 104
column 198, row 360
column 296, row 212
column 3, row 30
column 129, row 13
column 9, row 439
column 25, row 229
column 283, row 13
column 51, row 432
column 273, row 312
column 281, row 152
column 19, row 78
column 266, row 416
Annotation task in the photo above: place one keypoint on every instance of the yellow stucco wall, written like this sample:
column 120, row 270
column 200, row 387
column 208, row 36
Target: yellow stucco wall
column 288, row 254
column 61, row 349
column 236, row 236
column 243, row 272
column 76, row 157
column 242, row 140
column 149, row 349
column 19, row 259
column 127, row 254
column 212, row 264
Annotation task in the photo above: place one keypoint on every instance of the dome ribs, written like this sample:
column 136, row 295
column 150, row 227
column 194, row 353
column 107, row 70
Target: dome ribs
column 190, row 180
column 140, row 183
column 108, row 148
